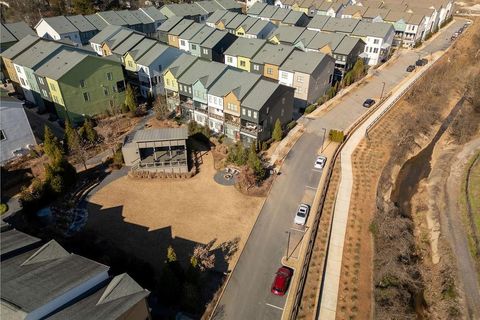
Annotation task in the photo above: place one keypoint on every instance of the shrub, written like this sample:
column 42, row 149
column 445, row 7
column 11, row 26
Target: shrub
column 336, row 135
column 118, row 159
column 3, row 208
column 277, row 133
column 310, row 109
column 237, row 154
column 265, row 145
column 291, row 125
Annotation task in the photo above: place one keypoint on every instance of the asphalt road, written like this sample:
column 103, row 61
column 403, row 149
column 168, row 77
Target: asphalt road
column 247, row 295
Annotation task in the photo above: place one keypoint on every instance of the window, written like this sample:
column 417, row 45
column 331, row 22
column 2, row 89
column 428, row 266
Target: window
column 189, row 90
column 242, row 63
column 130, row 64
column 120, row 86
column 2, row 135
column 244, row 112
column 229, row 59
column 183, row 43
column 375, row 41
column 114, row 88
column 375, row 50
column 299, row 79
column 86, row 96
column 82, row 83
column 269, row 71
column 23, row 82
column 284, row 75
column 105, row 91
column 255, row 114
column 194, row 47
column 205, row 51
column 109, row 76
column 249, row 112
column 283, row 102
column 55, row 99
column 18, row 69
column 44, row 92
column 168, row 82
column 256, row 67
column 41, row 81
column 159, row 67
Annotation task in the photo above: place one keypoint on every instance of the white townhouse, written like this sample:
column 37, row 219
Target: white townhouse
column 414, row 30
column 58, row 28
column 231, row 60
column 106, row 34
column 187, row 35
column 378, row 38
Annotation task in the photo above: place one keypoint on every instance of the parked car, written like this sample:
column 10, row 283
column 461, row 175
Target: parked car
column 302, row 214
column 320, row 162
column 421, row 62
column 368, row 103
column 281, row 281
column 410, row 68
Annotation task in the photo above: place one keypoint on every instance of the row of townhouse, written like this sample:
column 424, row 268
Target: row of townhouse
column 11, row 33
column 240, row 25
column 199, row 11
column 314, row 7
column 239, row 104
column 277, row 15
column 44, row 281
column 64, row 79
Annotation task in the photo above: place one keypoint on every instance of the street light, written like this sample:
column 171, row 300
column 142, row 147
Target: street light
column 383, row 88
column 323, row 140
column 288, row 243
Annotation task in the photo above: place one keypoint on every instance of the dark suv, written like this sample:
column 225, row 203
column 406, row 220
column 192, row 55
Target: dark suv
column 368, row 103
column 421, row 62
column 410, row 68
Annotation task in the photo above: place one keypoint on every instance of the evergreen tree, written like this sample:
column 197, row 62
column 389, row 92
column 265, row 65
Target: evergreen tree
column 52, row 146
column 130, row 100
column 90, row 133
column 277, row 131
column 255, row 164
column 358, row 69
column 72, row 137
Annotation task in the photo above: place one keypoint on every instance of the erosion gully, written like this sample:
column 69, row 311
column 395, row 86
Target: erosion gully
column 411, row 173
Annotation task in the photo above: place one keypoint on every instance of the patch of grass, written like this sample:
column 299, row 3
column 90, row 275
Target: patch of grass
column 3, row 208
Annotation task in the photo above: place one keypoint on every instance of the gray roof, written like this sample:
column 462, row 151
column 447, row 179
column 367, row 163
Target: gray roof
column 192, row 30
column 288, row 34
column 229, row 16
column 293, row 17
column 347, row 45
column 248, row 23
column 236, row 22
column 214, row 38
column 258, row 26
column 374, row 12
column 228, row 4
column 306, row 37
column 322, row 39
column 183, row 9
column 118, row 38
column 97, row 22
column 128, row 44
column 141, row 16
column 108, row 301
column 154, row 13
column 273, row 54
column 60, row 64
column 106, row 34
column 372, row 29
column 260, row 94
column 233, row 80
column 161, row 134
column 268, row 12
column 305, row 62
column 257, row 8
column 20, row 46
column 141, row 48
column 353, row 9
column 216, row 16
column 129, row 18
column 202, row 70
column 37, row 53
column 346, row 25
column 13, row 240
column 153, row 53
column 245, row 47
column 181, row 64
column 37, row 277
column 60, row 24
column 169, row 24
column 5, row 35
column 181, row 27
column 202, row 35
column 111, row 17
column 281, row 14
column 82, row 24
column 19, row 29
column 209, row 6
column 318, row 22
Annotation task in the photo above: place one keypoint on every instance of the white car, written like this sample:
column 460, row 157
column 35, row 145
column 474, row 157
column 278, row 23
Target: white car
column 302, row 214
column 320, row 162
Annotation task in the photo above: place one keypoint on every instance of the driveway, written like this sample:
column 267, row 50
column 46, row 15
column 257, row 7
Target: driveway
column 247, row 295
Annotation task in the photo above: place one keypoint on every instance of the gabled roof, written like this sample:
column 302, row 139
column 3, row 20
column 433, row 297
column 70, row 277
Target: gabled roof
column 305, row 62
column 192, row 30
column 169, row 24
column 82, row 24
column 37, row 53
column 19, row 29
column 153, row 53
column 5, row 35
column 60, row 24
column 37, row 277
column 322, row 39
column 257, row 8
column 259, row 95
column 336, row 6
column 182, row 10
column 288, row 34
column 372, row 13
column 181, row 27
column 118, row 38
column 141, row 48
column 351, row 10
column 141, row 16
column 346, row 25
column 129, row 18
column 202, row 35
column 347, row 44
column 216, row 16
column 60, row 64
column 213, row 39
column 268, row 12
column 324, row 6
column 128, row 44
column 306, row 4
column 237, row 81
column 236, row 22
column 228, row 4
column 318, row 22
column 394, row 16
column 96, row 21
column 281, row 14
column 306, row 37
column 273, row 54
column 204, row 71
column 109, row 300
column 245, row 47
column 180, row 65
column 259, row 26
column 20, row 46
column 208, row 6
column 153, row 13
column 293, row 17
column 13, row 240
column 416, row 19
column 248, row 23
column 372, row 29
column 111, row 17
column 108, row 32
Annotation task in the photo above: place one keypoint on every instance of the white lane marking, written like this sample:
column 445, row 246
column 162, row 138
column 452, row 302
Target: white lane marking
column 317, row 170
column 299, row 230
column 273, row 306
column 311, row 187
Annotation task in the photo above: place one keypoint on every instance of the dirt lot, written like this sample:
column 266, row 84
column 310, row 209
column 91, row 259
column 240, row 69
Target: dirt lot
column 406, row 281
column 143, row 217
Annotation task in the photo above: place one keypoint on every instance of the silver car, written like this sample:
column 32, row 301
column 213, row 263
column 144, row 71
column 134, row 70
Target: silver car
column 302, row 214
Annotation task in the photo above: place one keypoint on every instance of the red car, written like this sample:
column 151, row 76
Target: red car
column 282, row 280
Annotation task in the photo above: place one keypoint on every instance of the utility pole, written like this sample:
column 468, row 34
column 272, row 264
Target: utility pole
column 323, row 140
column 383, row 88
column 288, row 243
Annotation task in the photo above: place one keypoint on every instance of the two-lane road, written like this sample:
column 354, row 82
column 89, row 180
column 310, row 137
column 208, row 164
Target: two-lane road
column 247, row 295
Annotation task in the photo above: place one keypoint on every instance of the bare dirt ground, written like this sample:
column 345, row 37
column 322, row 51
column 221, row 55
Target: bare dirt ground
column 406, row 282
column 181, row 213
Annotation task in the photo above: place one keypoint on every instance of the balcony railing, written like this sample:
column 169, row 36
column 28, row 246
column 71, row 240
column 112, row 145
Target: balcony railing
column 215, row 116
column 204, row 111
column 163, row 164
column 251, row 129
column 233, row 122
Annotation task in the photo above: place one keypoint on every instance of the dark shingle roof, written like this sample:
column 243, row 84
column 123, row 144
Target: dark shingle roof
column 192, row 30
column 19, row 29
column 346, row 25
column 305, row 62
column 129, row 18
column 288, row 34
column 60, row 24
column 111, row 17
column 13, row 240
column 260, row 94
column 161, row 134
column 60, row 64
column 141, row 48
column 204, row 71
column 81, row 23
column 214, row 38
column 202, row 35
column 128, row 44
column 154, row 13
column 273, row 54
column 245, row 47
column 96, row 21
column 181, row 64
column 20, row 46
column 141, row 16
column 237, row 81
column 169, row 24
column 257, row 8
column 216, row 16
column 37, row 53
column 281, row 14
column 106, row 34
column 181, row 27
column 5, row 35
